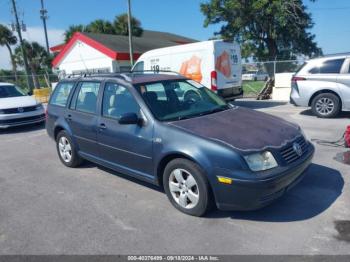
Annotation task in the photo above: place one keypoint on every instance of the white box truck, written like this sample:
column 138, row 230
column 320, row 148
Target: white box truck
column 216, row 64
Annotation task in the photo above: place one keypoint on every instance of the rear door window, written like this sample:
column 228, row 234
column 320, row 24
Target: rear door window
column 61, row 94
column 328, row 67
column 117, row 100
column 85, row 99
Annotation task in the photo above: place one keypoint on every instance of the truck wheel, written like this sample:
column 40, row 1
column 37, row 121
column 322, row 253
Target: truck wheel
column 187, row 187
column 326, row 105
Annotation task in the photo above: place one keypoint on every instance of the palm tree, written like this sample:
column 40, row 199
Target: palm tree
column 37, row 56
column 100, row 26
column 121, row 25
column 72, row 29
column 8, row 39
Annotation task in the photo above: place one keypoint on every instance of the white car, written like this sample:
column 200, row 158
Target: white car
column 255, row 76
column 18, row 108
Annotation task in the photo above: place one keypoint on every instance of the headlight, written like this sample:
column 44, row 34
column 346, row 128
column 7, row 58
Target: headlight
column 39, row 106
column 261, row 161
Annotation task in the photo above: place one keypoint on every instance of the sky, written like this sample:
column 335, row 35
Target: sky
column 183, row 17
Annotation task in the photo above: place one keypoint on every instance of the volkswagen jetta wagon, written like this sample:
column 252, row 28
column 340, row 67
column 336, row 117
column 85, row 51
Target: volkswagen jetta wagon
column 173, row 132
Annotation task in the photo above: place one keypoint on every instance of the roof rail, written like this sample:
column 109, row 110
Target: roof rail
column 154, row 72
column 87, row 74
column 125, row 76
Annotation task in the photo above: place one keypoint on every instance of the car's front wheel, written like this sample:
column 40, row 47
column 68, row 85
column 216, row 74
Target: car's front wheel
column 66, row 150
column 187, row 187
column 326, row 105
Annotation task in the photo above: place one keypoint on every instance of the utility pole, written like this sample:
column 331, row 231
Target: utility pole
column 131, row 52
column 18, row 28
column 43, row 16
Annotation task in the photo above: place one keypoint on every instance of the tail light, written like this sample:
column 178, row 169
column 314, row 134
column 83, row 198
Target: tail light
column 297, row 78
column 214, row 78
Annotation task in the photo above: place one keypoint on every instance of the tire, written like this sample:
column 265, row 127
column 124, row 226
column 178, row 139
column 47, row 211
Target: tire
column 326, row 105
column 63, row 139
column 193, row 200
column 255, row 79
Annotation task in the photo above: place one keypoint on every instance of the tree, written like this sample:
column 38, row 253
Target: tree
column 121, row 25
column 8, row 39
column 100, row 26
column 267, row 29
column 37, row 56
column 72, row 29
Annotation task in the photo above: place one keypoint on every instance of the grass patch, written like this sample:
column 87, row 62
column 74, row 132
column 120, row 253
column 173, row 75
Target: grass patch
column 252, row 87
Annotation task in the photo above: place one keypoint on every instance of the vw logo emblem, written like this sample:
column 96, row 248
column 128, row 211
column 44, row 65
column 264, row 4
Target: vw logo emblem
column 20, row 110
column 297, row 149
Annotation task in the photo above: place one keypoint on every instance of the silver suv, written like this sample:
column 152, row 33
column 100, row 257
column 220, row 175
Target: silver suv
column 324, row 84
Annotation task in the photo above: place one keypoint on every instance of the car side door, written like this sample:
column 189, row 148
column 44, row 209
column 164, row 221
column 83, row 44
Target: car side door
column 126, row 147
column 344, row 84
column 82, row 117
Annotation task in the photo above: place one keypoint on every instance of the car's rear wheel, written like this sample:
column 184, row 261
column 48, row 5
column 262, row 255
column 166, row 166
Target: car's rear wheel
column 66, row 150
column 187, row 187
column 326, row 105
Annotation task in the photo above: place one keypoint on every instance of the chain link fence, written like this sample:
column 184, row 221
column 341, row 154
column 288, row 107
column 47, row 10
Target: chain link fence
column 21, row 80
column 255, row 74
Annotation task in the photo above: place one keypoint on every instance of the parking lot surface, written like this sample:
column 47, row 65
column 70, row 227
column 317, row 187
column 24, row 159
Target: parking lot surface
column 46, row 208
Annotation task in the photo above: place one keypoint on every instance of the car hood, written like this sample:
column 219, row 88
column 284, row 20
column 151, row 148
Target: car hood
column 241, row 128
column 19, row 101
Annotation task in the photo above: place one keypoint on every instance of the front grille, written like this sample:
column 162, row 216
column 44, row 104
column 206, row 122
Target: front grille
column 290, row 155
column 19, row 110
column 20, row 120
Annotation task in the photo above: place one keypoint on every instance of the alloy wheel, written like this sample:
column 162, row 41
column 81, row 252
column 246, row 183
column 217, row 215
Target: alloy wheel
column 65, row 149
column 183, row 188
column 324, row 106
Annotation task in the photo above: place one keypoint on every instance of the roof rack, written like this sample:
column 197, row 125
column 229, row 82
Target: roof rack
column 154, row 72
column 82, row 75
column 125, row 75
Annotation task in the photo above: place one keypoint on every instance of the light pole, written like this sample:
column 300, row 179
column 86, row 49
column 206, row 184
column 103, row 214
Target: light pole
column 43, row 16
column 18, row 28
column 131, row 52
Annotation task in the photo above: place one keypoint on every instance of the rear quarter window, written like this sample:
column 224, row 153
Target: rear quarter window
column 328, row 67
column 61, row 94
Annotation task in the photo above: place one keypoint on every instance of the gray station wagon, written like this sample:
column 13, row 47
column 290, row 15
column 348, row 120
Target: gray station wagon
column 172, row 131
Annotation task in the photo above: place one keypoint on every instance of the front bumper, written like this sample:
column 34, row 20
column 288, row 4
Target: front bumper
column 20, row 121
column 255, row 194
column 231, row 93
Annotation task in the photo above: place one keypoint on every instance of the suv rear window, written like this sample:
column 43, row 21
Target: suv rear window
column 328, row 67
column 61, row 93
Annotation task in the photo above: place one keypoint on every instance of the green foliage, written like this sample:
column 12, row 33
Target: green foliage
column 8, row 39
column 38, row 59
column 267, row 29
column 118, row 27
column 121, row 25
column 72, row 29
column 100, row 26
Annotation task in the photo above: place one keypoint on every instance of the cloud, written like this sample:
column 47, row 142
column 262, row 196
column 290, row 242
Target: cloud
column 33, row 34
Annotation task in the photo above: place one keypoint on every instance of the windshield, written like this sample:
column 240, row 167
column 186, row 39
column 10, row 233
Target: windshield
column 180, row 99
column 10, row 91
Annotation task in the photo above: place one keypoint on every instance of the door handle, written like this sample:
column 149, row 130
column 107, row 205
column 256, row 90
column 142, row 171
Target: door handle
column 69, row 117
column 102, row 126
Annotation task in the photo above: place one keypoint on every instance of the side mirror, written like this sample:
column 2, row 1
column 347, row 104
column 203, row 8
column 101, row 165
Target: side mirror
column 30, row 93
column 129, row 119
